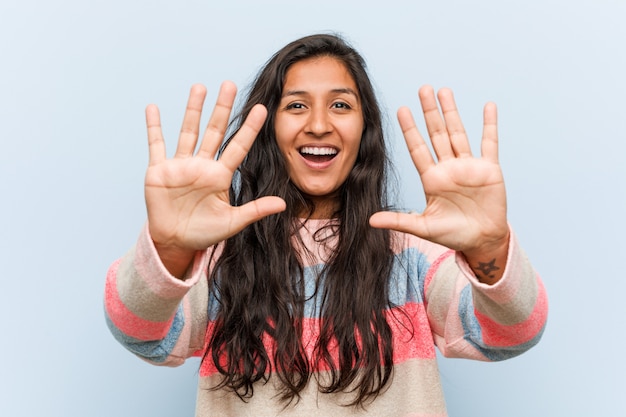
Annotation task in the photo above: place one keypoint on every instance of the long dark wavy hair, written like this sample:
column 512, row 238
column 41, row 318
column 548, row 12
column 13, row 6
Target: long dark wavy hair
column 259, row 276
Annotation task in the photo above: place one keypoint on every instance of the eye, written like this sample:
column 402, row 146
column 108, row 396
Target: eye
column 294, row 106
column 341, row 105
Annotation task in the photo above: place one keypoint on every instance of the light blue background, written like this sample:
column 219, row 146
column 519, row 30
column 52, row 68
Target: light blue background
column 75, row 77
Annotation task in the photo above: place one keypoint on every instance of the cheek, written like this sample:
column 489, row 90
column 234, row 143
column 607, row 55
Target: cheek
column 353, row 131
column 354, row 142
column 284, row 131
column 281, row 142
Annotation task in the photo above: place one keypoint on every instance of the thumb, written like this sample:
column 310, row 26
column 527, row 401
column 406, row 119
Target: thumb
column 412, row 223
column 256, row 210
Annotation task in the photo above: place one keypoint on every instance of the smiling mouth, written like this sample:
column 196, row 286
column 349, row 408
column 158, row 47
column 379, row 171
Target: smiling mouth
column 318, row 154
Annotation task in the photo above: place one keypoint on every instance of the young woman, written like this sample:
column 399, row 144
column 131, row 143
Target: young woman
column 273, row 258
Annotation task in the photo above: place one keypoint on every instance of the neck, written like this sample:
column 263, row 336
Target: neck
column 324, row 207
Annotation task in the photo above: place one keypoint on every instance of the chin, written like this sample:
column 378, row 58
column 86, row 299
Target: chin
column 317, row 192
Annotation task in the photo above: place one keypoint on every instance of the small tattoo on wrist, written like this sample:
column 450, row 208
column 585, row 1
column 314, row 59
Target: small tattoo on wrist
column 486, row 268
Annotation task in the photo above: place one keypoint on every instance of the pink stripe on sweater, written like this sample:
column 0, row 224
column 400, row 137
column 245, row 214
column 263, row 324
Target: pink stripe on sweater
column 497, row 335
column 412, row 335
column 412, row 338
column 124, row 319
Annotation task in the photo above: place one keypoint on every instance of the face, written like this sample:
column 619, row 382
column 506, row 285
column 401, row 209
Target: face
column 319, row 124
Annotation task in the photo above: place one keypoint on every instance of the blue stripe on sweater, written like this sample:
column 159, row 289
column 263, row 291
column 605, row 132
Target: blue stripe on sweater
column 155, row 351
column 406, row 283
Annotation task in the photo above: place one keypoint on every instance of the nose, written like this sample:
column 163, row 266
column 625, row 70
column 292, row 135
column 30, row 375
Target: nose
column 318, row 123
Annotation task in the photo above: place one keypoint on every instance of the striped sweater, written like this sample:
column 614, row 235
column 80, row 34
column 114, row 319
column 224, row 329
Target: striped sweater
column 165, row 320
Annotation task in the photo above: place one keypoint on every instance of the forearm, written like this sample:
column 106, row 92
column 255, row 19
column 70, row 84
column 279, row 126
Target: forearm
column 508, row 316
column 146, row 307
column 481, row 320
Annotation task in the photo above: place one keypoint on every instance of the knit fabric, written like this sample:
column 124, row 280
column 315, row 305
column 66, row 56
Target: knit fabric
column 166, row 320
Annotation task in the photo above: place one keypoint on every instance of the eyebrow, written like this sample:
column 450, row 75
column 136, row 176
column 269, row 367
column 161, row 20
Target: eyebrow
column 345, row 90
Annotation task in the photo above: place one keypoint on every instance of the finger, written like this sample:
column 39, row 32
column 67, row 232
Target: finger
column 218, row 123
column 411, row 223
column 454, row 126
column 257, row 209
column 239, row 146
column 156, row 144
column 191, row 122
column 420, row 154
column 435, row 124
column 489, row 144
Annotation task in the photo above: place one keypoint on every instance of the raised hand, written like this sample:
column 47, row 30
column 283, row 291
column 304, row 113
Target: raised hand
column 187, row 196
column 465, row 195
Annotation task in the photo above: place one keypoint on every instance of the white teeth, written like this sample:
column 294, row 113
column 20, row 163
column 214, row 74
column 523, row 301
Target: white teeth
column 311, row 150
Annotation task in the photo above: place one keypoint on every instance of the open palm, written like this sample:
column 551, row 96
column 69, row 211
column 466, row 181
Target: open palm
column 465, row 195
column 187, row 195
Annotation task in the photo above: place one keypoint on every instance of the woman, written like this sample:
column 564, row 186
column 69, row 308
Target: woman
column 274, row 262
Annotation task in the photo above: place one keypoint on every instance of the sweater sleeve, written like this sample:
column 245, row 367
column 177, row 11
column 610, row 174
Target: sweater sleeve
column 155, row 315
column 487, row 322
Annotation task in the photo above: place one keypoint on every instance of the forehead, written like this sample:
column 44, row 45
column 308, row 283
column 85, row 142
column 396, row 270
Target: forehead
column 319, row 73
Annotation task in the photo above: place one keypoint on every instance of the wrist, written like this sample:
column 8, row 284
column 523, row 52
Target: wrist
column 176, row 260
column 489, row 261
column 493, row 248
